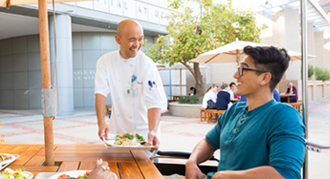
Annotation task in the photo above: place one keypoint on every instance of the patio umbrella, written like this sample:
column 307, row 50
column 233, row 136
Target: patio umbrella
column 233, row 52
column 180, row 66
column 45, row 65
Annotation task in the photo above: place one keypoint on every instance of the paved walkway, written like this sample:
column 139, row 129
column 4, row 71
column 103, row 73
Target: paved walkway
column 178, row 133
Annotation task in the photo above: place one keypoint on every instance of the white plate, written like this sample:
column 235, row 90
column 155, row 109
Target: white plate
column 111, row 143
column 4, row 164
column 29, row 175
column 74, row 173
column 13, row 158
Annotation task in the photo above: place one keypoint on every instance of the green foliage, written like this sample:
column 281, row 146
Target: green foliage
column 189, row 35
column 187, row 100
column 310, row 70
column 322, row 74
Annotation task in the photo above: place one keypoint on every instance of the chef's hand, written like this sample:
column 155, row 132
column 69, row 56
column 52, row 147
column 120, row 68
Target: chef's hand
column 101, row 171
column 153, row 140
column 103, row 130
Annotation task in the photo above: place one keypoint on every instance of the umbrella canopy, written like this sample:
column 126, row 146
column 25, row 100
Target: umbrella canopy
column 233, row 52
column 7, row 3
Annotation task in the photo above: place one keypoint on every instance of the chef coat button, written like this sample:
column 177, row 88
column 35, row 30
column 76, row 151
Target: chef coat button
column 235, row 130
column 130, row 117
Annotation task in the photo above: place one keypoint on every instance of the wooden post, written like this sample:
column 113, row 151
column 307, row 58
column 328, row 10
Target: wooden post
column 46, row 79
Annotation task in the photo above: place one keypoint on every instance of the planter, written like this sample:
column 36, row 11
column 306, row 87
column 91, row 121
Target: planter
column 185, row 110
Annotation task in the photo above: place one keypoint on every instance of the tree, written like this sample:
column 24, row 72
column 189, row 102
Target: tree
column 190, row 35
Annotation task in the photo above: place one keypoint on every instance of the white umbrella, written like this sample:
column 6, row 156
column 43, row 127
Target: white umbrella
column 233, row 52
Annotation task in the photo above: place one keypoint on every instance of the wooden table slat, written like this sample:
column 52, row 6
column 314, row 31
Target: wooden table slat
column 129, row 170
column 149, row 170
column 87, row 165
column 7, row 149
column 27, row 155
column 67, row 166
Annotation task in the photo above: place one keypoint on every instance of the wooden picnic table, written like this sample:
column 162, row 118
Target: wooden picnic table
column 286, row 95
column 124, row 163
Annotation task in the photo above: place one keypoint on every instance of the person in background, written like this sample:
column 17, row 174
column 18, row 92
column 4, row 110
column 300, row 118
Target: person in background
column 260, row 138
column 291, row 90
column 276, row 96
column 223, row 98
column 210, row 97
column 193, row 91
column 232, row 88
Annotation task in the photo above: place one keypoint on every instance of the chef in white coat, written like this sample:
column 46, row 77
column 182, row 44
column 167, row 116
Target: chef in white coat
column 135, row 88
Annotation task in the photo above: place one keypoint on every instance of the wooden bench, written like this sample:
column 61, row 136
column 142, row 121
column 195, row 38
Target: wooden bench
column 207, row 114
column 297, row 105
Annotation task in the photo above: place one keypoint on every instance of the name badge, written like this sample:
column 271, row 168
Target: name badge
column 131, row 91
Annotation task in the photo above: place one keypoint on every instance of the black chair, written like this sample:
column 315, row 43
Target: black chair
column 170, row 169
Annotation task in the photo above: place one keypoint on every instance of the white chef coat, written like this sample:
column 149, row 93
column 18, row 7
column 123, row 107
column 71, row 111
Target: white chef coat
column 209, row 95
column 130, row 112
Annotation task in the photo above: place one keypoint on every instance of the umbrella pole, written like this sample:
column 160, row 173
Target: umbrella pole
column 303, row 7
column 46, row 79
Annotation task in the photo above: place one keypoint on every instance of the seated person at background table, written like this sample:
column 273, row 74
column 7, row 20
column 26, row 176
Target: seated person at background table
column 210, row 97
column 193, row 91
column 276, row 96
column 232, row 88
column 223, row 98
column 260, row 138
column 291, row 90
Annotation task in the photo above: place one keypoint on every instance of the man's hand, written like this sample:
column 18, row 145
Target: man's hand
column 103, row 130
column 193, row 172
column 153, row 140
column 99, row 107
column 101, row 171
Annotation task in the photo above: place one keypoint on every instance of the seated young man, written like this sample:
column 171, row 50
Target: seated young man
column 260, row 138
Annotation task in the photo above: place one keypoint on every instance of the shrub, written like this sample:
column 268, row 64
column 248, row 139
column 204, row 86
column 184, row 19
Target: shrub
column 187, row 100
column 310, row 70
column 322, row 74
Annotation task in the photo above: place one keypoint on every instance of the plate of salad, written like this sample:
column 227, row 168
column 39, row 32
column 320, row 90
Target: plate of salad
column 75, row 174
column 126, row 140
column 19, row 173
column 135, row 137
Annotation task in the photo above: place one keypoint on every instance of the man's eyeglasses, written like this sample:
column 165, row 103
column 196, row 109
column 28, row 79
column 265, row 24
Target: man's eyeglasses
column 241, row 69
